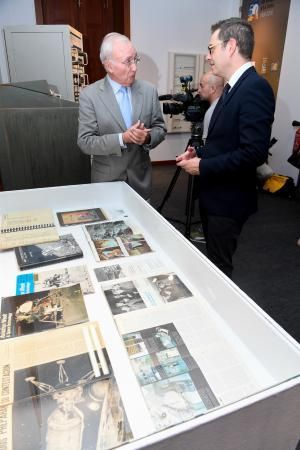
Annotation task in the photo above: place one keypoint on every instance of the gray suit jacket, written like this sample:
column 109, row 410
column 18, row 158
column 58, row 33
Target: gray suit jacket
column 100, row 122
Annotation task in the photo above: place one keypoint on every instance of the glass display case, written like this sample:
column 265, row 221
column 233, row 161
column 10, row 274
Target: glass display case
column 172, row 354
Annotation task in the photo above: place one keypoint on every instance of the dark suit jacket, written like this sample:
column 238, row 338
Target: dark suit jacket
column 237, row 142
column 100, row 122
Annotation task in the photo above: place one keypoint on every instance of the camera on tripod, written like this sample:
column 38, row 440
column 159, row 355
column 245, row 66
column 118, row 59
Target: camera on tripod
column 192, row 107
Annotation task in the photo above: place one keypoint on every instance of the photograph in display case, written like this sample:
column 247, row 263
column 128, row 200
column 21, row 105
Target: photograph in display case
column 37, row 255
column 174, row 388
column 84, row 417
column 169, row 287
column 149, row 264
column 123, row 297
column 55, row 278
column 81, row 216
column 41, row 311
column 127, row 296
column 115, row 239
column 66, row 398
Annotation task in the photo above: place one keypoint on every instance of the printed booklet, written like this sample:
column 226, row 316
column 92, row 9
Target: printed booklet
column 37, row 255
column 41, row 311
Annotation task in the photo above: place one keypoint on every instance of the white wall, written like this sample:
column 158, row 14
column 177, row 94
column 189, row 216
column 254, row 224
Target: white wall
column 160, row 26
column 288, row 97
column 13, row 12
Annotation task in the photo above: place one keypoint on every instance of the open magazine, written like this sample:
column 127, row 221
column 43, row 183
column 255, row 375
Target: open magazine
column 141, row 293
column 55, row 278
column 146, row 282
column 115, row 239
column 174, row 388
column 60, row 393
column 41, row 311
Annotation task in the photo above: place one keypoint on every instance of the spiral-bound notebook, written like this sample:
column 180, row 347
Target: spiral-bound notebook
column 27, row 227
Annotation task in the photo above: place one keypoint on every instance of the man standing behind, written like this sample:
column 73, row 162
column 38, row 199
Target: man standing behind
column 120, row 119
column 210, row 89
column 237, row 141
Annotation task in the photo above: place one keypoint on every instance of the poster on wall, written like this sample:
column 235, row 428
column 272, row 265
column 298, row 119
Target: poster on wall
column 269, row 21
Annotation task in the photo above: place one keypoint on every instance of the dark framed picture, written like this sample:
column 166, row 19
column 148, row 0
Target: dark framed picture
column 80, row 216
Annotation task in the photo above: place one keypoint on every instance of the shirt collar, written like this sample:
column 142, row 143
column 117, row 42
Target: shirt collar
column 115, row 86
column 238, row 73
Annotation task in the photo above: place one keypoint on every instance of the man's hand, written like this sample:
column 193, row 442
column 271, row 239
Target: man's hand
column 137, row 134
column 189, row 165
column 188, row 154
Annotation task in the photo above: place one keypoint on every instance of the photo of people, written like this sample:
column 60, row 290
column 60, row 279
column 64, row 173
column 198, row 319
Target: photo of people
column 169, row 287
column 123, row 298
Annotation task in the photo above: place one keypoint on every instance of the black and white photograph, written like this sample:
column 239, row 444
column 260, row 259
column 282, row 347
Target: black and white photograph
column 123, row 298
column 53, row 376
column 140, row 268
column 108, row 230
column 108, row 273
column 81, row 417
column 169, row 287
column 61, row 392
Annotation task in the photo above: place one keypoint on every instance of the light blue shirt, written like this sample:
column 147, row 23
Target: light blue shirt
column 116, row 89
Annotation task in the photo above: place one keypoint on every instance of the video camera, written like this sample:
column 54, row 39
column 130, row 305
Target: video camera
column 192, row 107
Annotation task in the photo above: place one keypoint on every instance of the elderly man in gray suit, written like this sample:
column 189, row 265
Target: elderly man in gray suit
column 120, row 119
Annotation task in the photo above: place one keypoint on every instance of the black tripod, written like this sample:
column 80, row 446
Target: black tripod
column 196, row 142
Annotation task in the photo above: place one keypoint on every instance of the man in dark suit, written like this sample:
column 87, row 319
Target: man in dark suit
column 237, row 141
column 120, row 126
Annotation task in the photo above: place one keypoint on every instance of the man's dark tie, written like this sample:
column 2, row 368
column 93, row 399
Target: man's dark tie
column 220, row 103
column 225, row 91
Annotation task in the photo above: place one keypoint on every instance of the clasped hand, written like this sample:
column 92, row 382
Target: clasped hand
column 189, row 161
column 137, row 134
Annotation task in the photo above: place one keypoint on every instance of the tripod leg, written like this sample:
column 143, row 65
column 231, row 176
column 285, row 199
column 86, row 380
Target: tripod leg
column 170, row 188
column 189, row 206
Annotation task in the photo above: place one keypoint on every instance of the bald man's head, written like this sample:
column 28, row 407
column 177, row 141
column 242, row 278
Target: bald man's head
column 210, row 86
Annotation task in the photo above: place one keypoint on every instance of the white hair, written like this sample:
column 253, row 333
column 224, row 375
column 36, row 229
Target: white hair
column 108, row 43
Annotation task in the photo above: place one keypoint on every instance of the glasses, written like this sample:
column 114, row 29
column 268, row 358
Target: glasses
column 212, row 46
column 136, row 60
